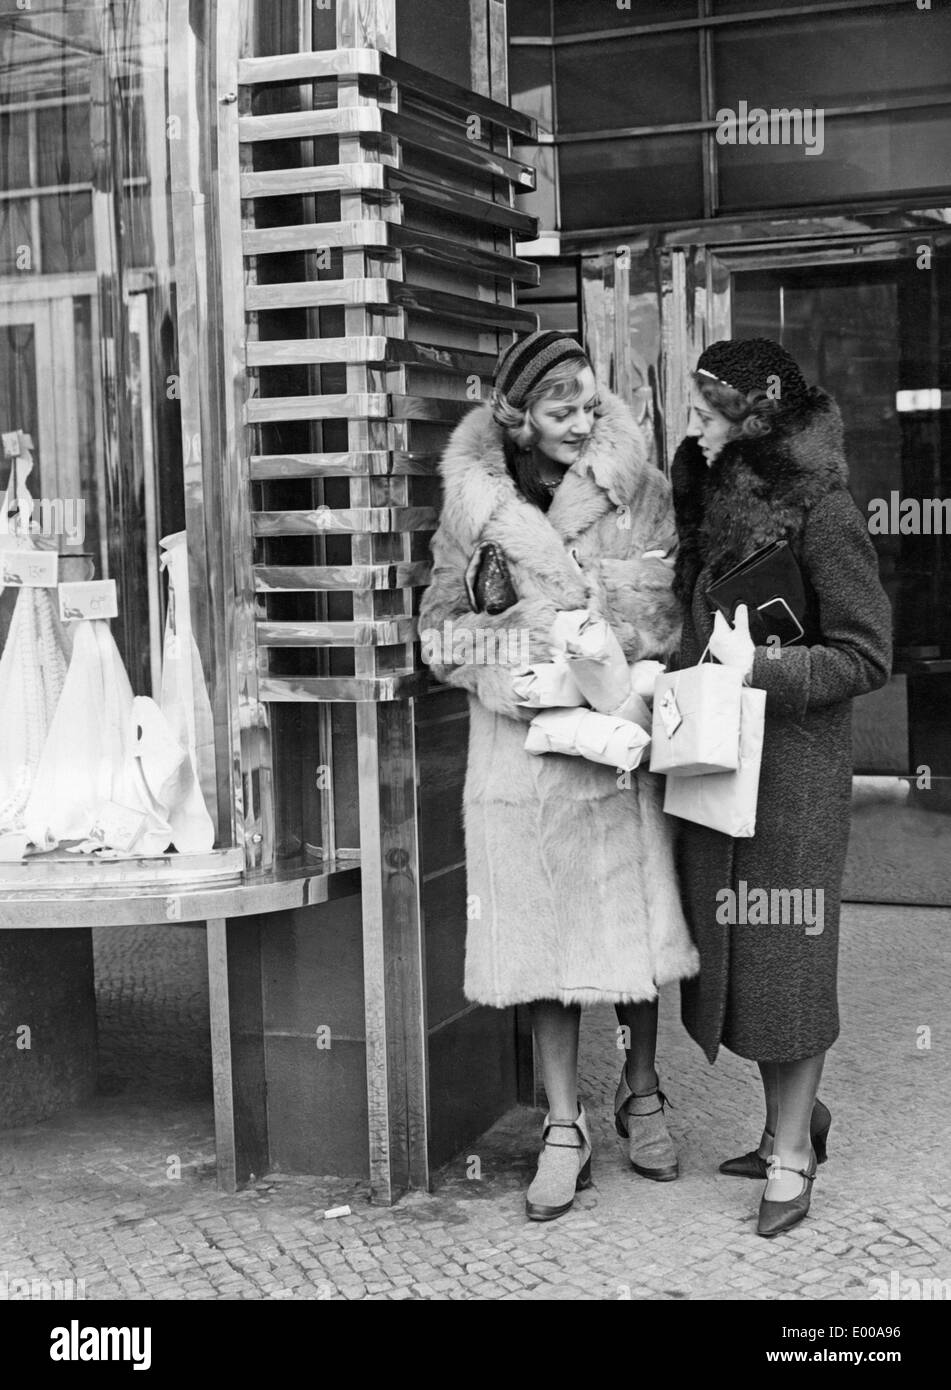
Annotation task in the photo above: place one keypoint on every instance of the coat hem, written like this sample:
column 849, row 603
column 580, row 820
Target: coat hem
column 585, row 996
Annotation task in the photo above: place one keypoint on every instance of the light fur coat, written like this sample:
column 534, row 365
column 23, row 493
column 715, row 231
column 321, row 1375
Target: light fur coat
column 571, row 878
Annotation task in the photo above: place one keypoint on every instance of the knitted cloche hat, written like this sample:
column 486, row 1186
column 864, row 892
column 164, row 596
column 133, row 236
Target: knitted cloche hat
column 522, row 366
column 755, row 364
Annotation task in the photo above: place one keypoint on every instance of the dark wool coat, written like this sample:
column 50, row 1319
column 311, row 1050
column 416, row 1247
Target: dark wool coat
column 768, row 991
column 573, row 890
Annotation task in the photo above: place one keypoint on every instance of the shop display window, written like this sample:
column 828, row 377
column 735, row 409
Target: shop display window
column 108, row 694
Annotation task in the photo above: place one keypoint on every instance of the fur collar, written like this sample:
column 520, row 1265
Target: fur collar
column 758, row 490
column 612, row 472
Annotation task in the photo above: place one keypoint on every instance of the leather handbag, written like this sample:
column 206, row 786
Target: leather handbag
column 770, row 583
column 488, row 583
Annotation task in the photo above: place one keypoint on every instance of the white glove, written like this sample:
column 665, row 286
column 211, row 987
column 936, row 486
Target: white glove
column 733, row 646
column 644, row 677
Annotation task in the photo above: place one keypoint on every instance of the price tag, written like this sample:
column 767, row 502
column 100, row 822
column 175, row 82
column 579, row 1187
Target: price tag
column 29, row 569
column 670, row 715
column 89, row 598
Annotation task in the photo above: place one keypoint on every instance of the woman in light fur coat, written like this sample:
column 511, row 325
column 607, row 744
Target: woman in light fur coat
column 570, row 862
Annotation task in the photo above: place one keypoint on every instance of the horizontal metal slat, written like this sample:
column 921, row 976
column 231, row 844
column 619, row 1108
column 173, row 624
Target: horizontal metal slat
column 377, row 406
column 396, row 463
column 438, row 409
column 390, row 237
column 344, row 521
column 279, row 579
column 344, row 406
column 383, row 632
column 406, row 130
column 348, row 689
column 316, row 293
column 285, row 352
column 292, row 67
column 306, row 125
column 468, row 154
column 451, row 200
column 431, row 247
column 433, row 88
column 383, row 182
column 383, row 294
column 317, row 178
column 370, row 62
column 460, row 308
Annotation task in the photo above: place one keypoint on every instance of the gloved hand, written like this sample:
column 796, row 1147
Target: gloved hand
column 733, row 646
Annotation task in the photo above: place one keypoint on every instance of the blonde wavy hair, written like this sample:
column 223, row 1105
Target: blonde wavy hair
column 562, row 383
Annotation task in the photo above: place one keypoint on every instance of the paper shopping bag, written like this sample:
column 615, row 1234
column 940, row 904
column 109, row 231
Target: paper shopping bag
column 696, row 720
column 726, row 801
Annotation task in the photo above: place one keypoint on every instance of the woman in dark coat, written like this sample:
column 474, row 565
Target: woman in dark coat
column 763, row 461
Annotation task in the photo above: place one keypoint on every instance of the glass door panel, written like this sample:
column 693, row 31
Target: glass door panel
column 870, row 334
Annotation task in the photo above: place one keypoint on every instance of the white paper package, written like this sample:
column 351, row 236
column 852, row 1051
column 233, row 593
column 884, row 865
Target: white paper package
column 585, row 733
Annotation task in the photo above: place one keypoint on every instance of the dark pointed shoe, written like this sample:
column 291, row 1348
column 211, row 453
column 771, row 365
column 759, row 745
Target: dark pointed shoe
column 750, row 1165
column 753, row 1165
column 819, row 1127
column 776, row 1217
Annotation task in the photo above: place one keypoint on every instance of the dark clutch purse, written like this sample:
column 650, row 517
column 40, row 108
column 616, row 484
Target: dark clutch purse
column 488, row 582
column 770, row 582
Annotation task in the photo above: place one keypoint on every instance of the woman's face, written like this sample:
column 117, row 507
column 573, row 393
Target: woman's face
column 563, row 427
column 708, row 426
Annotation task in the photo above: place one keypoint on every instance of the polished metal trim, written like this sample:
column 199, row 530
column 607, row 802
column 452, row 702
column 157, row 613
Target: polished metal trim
column 386, row 238
column 461, row 308
column 377, row 406
column 296, row 67
column 282, row 352
column 176, row 902
column 766, row 223
column 261, row 409
column 277, row 579
column 203, row 427
column 392, row 294
column 716, row 21
column 305, row 125
column 316, row 178
column 375, row 464
column 307, row 67
column 317, row 236
column 382, row 632
column 247, row 772
column 448, row 198
column 432, row 408
column 439, row 91
column 408, row 130
column 345, row 521
column 443, row 251
column 350, row 689
column 300, row 294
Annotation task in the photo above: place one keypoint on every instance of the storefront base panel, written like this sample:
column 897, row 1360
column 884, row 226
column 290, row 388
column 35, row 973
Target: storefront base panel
column 317, row 1107
column 298, row 1051
column 47, row 1022
column 472, row 1078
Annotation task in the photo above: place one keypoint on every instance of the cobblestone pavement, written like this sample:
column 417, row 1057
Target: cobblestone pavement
column 121, row 1193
